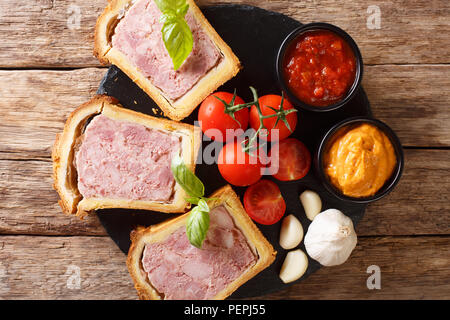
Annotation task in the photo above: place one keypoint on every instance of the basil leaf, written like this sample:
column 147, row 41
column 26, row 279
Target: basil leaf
column 178, row 40
column 198, row 219
column 175, row 5
column 168, row 16
column 182, row 10
column 197, row 225
column 186, row 179
column 176, row 34
column 203, row 205
column 192, row 200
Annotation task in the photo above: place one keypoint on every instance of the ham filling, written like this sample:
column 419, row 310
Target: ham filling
column 125, row 160
column 138, row 36
column 179, row 270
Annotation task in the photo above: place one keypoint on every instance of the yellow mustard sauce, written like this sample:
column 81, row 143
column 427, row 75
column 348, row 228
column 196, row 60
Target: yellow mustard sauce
column 359, row 160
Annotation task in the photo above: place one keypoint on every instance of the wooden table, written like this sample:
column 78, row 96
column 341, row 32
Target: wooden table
column 47, row 69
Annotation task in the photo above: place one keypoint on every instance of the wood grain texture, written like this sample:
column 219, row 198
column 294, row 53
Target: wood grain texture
column 413, row 100
column 406, row 77
column 35, row 104
column 28, row 203
column 417, row 206
column 44, row 268
column 411, row 268
column 46, row 33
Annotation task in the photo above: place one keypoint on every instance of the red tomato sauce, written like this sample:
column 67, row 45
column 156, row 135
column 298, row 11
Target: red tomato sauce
column 319, row 67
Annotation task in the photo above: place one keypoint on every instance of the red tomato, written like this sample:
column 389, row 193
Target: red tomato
column 238, row 167
column 264, row 203
column 273, row 101
column 294, row 160
column 212, row 115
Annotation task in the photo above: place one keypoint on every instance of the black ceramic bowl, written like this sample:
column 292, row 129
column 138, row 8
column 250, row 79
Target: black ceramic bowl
column 281, row 55
column 390, row 183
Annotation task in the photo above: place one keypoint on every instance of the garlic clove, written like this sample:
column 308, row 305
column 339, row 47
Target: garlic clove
column 291, row 233
column 294, row 266
column 312, row 204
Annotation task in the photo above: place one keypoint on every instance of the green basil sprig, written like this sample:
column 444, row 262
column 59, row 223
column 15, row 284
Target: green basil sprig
column 176, row 34
column 198, row 220
column 187, row 180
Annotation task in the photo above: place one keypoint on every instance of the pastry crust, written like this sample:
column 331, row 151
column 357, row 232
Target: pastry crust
column 64, row 172
column 224, row 196
column 227, row 68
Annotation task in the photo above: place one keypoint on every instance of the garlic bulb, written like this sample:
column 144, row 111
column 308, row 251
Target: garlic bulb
column 330, row 238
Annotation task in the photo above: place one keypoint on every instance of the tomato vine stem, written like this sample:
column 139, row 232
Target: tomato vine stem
column 281, row 113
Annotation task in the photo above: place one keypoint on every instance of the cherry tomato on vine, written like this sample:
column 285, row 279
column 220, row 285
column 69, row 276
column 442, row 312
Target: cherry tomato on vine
column 212, row 115
column 266, row 103
column 238, row 167
column 264, row 203
column 293, row 158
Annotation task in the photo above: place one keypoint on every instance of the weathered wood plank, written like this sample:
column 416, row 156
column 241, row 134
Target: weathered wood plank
column 418, row 205
column 420, row 202
column 28, row 204
column 48, row 33
column 46, row 267
column 55, row 33
column 35, row 104
column 411, row 268
column 412, row 100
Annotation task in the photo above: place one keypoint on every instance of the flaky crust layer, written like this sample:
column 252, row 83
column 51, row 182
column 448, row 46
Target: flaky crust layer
column 64, row 173
column 182, row 107
column 225, row 196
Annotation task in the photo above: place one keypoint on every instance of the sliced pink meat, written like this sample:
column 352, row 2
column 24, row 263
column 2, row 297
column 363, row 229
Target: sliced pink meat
column 179, row 270
column 125, row 160
column 138, row 36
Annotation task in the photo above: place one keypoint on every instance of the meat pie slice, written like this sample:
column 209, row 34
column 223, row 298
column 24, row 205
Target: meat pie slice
column 111, row 157
column 164, row 265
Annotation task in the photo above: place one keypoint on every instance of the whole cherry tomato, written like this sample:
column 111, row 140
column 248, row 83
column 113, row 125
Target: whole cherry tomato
column 215, row 121
column 266, row 104
column 238, row 167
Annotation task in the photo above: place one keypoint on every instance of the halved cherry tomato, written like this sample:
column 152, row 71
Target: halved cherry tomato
column 266, row 103
column 212, row 116
column 294, row 160
column 264, row 203
column 238, row 167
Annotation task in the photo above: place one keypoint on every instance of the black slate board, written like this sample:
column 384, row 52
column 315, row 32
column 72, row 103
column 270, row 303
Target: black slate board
column 254, row 35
